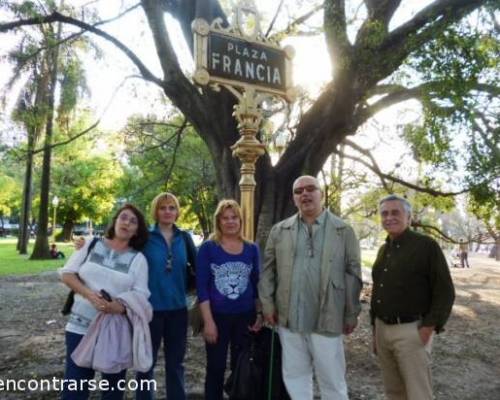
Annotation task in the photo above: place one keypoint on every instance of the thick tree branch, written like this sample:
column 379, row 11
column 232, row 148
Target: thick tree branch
column 165, row 177
column 209, row 112
column 157, row 123
column 427, row 24
column 377, row 54
column 185, row 11
column 81, row 32
column 166, row 54
column 434, row 230
column 374, row 163
column 58, row 17
column 160, row 143
column 273, row 21
column 396, row 94
column 177, row 144
column 385, row 89
column 62, row 143
column 334, row 22
column 292, row 26
column 382, row 10
column 375, row 27
column 176, row 86
column 373, row 166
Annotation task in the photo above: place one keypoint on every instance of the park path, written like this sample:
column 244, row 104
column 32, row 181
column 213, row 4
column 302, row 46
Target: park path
column 465, row 357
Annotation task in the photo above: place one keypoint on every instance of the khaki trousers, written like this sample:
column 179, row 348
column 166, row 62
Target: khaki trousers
column 404, row 360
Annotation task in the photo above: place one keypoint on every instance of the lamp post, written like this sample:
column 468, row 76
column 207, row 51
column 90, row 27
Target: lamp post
column 55, row 203
column 240, row 58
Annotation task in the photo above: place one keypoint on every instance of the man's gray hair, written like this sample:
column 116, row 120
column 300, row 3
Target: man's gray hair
column 406, row 204
column 307, row 176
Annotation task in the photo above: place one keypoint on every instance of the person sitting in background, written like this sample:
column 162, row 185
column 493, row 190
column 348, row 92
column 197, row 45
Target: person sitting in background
column 54, row 253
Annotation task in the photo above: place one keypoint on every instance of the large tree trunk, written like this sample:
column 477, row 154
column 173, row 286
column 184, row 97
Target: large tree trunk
column 34, row 126
column 338, row 112
column 67, row 232
column 358, row 66
column 41, row 249
column 24, row 230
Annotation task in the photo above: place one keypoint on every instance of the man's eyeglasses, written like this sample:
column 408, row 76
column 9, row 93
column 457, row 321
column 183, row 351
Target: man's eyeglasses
column 308, row 189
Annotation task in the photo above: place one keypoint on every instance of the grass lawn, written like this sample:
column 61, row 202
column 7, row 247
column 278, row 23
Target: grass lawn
column 11, row 263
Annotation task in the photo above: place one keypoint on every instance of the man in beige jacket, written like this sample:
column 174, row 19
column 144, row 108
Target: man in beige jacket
column 309, row 287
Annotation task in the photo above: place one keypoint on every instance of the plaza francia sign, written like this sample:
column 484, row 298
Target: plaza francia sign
column 225, row 57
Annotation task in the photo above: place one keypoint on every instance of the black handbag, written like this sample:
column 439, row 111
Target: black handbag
column 246, row 381
column 70, row 299
column 258, row 372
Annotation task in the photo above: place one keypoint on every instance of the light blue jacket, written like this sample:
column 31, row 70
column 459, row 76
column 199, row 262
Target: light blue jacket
column 167, row 287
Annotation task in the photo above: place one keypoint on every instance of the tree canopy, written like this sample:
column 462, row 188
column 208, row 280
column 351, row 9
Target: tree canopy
column 444, row 56
column 168, row 155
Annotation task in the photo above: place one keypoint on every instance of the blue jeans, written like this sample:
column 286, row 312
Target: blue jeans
column 172, row 327
column 232, row 330
column 76, row 373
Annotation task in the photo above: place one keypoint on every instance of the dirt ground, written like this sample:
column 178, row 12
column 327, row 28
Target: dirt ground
column 466, row 356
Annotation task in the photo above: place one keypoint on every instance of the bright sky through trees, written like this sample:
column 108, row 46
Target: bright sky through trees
column 117, row 92
column 311, row 64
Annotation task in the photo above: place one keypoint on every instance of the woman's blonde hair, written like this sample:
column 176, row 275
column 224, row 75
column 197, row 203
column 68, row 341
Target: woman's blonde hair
column 226, row 204
column 164, row 197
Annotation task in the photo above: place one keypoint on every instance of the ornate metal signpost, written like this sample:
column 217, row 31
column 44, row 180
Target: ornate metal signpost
column 253, row 69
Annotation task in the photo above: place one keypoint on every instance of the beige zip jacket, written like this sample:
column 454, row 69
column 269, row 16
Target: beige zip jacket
column 340, row 274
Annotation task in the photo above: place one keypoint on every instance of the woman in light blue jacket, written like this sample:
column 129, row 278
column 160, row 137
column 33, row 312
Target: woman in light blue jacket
column 169, row 250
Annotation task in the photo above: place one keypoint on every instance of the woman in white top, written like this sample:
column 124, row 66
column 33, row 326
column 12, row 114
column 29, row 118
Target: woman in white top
column 113, row 265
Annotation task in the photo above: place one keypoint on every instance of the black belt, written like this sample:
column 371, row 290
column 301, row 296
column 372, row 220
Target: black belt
column 401, row 319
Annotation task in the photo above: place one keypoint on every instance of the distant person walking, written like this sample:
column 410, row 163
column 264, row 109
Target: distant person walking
column 463, row 249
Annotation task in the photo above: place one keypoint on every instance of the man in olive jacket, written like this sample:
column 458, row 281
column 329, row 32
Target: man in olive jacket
column 412, row 298
column 310, row 286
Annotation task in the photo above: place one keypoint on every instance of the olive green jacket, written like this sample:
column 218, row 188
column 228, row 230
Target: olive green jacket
column 340, row 274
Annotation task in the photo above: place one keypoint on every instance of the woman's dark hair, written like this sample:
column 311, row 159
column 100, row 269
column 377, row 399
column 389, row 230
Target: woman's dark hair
column 137, row 241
